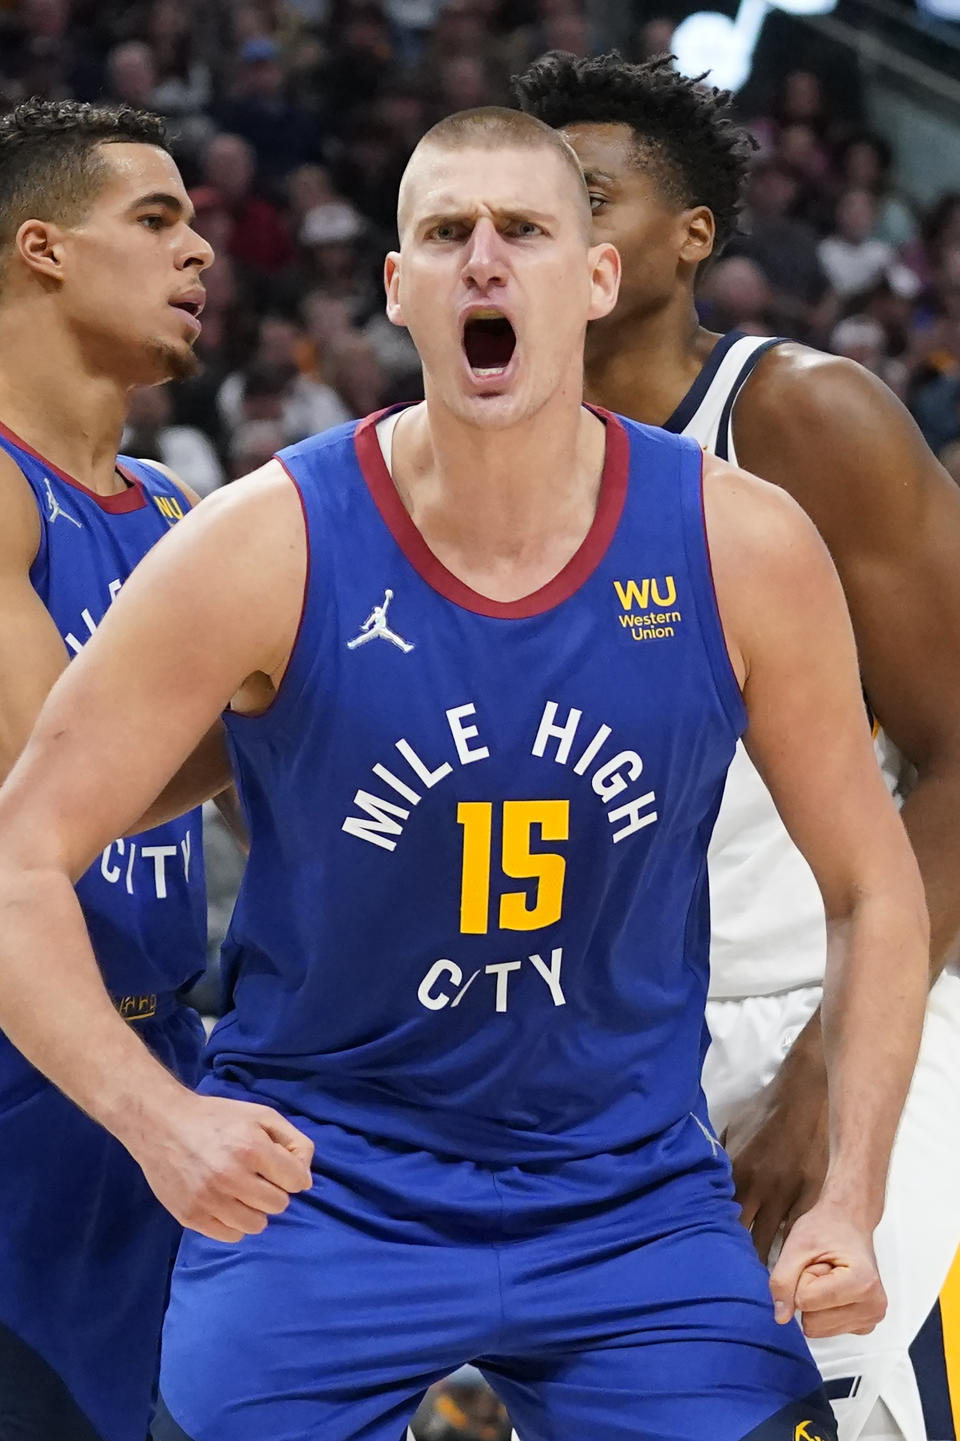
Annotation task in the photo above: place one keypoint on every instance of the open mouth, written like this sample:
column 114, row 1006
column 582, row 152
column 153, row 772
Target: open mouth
column 192, row 307
column 488, row 342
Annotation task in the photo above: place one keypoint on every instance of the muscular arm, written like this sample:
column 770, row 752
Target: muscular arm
column 834, row 437
column 206, row 773
column 228, row 583
column 808, row 736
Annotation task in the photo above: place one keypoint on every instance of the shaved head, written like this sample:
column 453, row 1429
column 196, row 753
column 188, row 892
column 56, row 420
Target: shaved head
column 492, row 128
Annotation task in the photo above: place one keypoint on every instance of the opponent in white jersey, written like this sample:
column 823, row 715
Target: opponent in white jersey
column 665, row 166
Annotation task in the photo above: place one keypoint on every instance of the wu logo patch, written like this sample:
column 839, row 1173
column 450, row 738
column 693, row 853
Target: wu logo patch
column 647, row 607
column 169, row 507
column 56, row 509
column 376, row 626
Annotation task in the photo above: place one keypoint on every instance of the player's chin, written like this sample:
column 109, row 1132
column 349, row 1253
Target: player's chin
column 173, row 360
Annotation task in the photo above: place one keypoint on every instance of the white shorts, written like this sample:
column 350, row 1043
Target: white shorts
column 918, row 1238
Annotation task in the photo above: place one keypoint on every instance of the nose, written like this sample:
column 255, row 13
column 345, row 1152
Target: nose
column 197, row 253
column 485, row 260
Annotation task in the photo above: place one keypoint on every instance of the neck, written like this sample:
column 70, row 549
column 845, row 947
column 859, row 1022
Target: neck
column 501, row 487
column 503, row 509
column 643, row 366
column 53, row 399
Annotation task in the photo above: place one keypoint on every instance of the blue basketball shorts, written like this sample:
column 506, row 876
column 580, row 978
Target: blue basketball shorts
column 85, row 1257
column 604, row 1299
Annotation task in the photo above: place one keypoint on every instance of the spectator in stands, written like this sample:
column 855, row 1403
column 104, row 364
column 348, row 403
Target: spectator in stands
column 131, row 75
column 46, row 50
column 333, row 259
column 254, row 442
column 259, row 237
column 852, row 258
column 150, row 434
column 281, row 133
column 736, row 295
column 865, row 163
column 359, row 67
column 275, row 389
column 784, row 248
column 357, row 376
column 184, row 82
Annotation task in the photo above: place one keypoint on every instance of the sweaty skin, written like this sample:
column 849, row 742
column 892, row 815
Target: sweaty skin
column 839, row 442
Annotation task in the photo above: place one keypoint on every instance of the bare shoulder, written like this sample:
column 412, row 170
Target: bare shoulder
column 20, row 528
column 765, row 552
column 840, row 442
column 794, row 375
column 260, row 507
column 749, row 519
column 247, row 539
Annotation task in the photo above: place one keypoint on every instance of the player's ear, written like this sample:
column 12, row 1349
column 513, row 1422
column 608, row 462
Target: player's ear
column 604, row 279
column 700, row 230
column 391, row 284
column 40, row 246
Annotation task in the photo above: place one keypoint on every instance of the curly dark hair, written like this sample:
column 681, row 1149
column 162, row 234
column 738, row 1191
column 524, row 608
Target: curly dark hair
column 685, row 136
column 50, row 168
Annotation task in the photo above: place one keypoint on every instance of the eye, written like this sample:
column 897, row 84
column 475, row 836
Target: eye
column 446, row 230
column 597, row 201
column 153, row 222
column 525, row 229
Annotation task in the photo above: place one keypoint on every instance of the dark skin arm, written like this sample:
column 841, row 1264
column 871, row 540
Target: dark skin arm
column 846, row 449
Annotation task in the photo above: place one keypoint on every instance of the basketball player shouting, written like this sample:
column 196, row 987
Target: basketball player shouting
column 665, row 167
column 469, row 960
column 99, row 290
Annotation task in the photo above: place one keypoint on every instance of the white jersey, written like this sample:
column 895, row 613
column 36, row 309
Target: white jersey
column 767, row 920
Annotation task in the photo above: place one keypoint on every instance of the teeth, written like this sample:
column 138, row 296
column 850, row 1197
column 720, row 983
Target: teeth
column 484, row 371
column 489, row 314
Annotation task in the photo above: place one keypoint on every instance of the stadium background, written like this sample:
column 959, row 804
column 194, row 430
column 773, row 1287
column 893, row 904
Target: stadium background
column 293, row 120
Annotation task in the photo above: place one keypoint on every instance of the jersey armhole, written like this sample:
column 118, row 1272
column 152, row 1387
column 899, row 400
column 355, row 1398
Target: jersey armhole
column 298, row 665
column 32, row 498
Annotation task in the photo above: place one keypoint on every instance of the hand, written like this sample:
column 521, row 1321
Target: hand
column 222, row 1167
column 778, row 1148
column 827, row 1271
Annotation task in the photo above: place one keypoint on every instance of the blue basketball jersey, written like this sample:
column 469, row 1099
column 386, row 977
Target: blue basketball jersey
column 144, row 900
column 475, row 913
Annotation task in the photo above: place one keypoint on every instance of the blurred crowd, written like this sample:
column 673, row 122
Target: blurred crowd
column 292, row 122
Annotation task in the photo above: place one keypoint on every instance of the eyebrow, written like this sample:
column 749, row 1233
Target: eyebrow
column 169, row 202
column 464, row 214
column 598, row 177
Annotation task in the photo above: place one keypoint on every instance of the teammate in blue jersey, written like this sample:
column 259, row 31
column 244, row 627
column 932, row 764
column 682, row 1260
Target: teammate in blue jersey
column 484, row 679
column 99, row 290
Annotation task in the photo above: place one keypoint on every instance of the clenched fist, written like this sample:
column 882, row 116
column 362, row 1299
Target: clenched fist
column 827, row 1272
column 223, row 1167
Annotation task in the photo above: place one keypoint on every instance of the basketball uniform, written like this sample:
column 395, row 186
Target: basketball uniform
column 767, row 957
column 469, row 959
column 85, row 1249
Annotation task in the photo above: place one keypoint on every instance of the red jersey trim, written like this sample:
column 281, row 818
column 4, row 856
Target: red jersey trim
column 133, row 498
column 578, row 569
